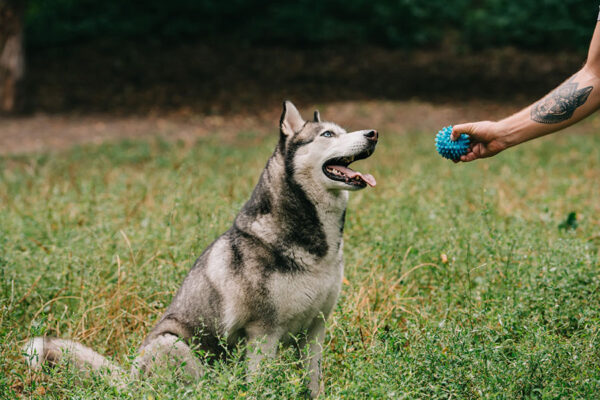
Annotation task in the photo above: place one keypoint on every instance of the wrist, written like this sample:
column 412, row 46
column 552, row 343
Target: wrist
column 507, row 134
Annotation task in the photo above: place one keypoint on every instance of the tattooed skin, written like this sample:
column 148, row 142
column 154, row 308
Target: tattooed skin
column 560, row 104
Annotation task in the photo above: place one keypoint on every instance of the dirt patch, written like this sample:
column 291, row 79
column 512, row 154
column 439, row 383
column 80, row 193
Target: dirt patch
column 47, row 132
column 44, row 132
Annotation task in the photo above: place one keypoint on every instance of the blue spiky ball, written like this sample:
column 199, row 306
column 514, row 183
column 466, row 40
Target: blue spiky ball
column 448, row 148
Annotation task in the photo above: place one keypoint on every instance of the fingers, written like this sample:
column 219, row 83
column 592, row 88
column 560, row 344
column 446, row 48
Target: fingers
column 457, row 130
column 482, row 139
column 476, row 151
column 480, row 151
column 468, row 157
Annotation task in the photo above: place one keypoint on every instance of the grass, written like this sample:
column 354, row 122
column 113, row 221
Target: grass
column 459, row 283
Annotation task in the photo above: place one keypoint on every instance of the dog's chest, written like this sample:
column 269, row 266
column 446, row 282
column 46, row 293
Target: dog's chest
column 301, row 297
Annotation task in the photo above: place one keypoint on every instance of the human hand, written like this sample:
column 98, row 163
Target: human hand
column 487, row 139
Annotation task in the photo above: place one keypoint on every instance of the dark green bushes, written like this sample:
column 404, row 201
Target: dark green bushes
column 547, row 24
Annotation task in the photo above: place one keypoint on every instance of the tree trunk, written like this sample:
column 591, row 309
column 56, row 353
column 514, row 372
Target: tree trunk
column 12, row 57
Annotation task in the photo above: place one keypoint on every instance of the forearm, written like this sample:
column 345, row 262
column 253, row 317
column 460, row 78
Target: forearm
column 575, row 99
column 569, row 103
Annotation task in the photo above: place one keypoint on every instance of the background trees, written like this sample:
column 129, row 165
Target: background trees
column 12, row 58
column 529, row 24
column 101, row 54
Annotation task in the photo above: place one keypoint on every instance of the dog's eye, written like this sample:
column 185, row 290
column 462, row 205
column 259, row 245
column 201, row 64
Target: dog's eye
column 327, row 134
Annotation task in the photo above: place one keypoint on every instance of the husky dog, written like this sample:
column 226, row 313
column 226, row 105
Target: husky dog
column 275, row 275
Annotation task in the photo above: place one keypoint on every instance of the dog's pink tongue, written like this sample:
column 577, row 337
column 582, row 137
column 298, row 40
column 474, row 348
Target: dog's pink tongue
column 350, row 173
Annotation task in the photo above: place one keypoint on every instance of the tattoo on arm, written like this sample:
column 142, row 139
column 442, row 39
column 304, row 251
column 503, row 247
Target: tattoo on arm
column 560, row 104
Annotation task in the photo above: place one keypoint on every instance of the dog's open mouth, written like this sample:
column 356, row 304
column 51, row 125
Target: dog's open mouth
column 337, row 169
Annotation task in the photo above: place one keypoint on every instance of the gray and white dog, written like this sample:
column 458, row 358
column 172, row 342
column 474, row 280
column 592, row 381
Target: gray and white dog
column 274, row 276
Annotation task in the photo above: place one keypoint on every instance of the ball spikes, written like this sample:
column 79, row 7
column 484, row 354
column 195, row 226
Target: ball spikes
column 448, row 148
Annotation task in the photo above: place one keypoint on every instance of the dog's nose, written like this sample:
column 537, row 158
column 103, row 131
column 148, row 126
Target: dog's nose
column 372, row 135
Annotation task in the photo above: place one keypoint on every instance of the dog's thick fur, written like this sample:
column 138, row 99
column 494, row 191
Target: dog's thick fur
column 276, row 273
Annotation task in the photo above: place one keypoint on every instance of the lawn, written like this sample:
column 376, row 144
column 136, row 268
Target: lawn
column 462, row 281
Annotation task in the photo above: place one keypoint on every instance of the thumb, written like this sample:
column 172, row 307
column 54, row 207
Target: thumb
column 457, row 130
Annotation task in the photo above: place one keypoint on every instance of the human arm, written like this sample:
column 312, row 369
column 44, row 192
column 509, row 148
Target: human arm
column 572, row 101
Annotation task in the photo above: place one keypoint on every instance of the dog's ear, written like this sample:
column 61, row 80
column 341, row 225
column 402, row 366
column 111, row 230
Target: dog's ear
column 291, row 121
column 317, row 116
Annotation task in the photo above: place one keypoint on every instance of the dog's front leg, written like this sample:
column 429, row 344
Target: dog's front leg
column 262, row 342
column 314, row 338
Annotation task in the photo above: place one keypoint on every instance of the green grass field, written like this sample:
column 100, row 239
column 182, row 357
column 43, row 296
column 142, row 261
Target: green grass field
column 459, row 282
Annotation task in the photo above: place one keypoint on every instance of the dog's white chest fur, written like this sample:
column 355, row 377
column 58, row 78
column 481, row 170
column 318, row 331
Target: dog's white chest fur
column 309, row 295
column 313, row 294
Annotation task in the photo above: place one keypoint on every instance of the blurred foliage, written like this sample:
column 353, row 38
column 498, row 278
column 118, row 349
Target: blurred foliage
column 543, row 24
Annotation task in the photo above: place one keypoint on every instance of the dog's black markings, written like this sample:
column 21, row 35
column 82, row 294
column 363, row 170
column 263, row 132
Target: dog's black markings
column 263, row 255
column 237, row 263
column 303, row 226
column 272, row 258
column 260, row 200
column 259, row 204
column 342, row 221
column 560, row 104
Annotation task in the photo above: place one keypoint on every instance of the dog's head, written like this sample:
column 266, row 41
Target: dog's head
column 321, row 152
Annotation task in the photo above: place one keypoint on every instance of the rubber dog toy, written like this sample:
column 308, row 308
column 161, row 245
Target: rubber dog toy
column 448, row 148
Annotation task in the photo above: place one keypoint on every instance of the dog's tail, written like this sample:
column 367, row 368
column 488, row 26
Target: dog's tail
column 51, row 350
